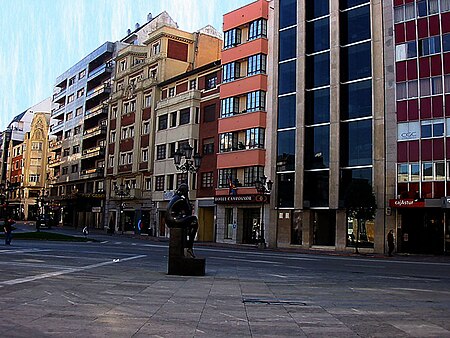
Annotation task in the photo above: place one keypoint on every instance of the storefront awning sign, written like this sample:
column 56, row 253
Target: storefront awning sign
column 406, row 203
column 241, row 199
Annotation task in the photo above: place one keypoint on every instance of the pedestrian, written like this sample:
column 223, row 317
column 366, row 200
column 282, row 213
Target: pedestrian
column 390, row 240
column 85, row 231
column 7, row 227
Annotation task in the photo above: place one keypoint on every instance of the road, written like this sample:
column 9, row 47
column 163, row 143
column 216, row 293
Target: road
column 119, row 288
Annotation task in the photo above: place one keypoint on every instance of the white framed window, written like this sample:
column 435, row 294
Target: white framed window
column 144, row 155
column 111, row 161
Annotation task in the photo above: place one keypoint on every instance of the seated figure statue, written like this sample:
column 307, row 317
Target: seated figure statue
column 179, row 215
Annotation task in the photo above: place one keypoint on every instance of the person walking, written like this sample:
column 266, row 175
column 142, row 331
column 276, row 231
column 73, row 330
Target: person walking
column 7, row 227
column 390, row 240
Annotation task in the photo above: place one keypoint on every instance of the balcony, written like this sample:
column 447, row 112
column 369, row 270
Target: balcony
column 104, row 68
column 97, row 110
column 54, row 179
column 240, row 159
column 104, row 88
column 99, row 130
column 92, row 173
column 58, row 127
column 59, row 95
column 55, row 162
column 179, row 98
column 93, row 152
column 55, row 145
column 58, row 111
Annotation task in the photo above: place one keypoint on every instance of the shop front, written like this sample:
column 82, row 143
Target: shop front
column 421, row 225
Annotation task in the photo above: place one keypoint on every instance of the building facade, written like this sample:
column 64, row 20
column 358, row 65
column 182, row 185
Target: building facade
column 241, row 158
column 328, row 121
column 421, row 64
column 133, row 122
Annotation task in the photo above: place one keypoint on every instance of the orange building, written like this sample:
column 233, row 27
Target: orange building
column 242, row 124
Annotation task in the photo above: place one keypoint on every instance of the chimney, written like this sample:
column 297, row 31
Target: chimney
column 149, row 17
column 136, row 26
column 128, row 31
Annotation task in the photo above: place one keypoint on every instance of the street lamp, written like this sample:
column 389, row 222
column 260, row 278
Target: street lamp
column 191, row 163
column 122, row 191
column 43, row 194
column 264, row 188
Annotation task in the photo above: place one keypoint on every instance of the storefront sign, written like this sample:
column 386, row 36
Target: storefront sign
column 406, row 203
column 241, row 199
column 96, row 209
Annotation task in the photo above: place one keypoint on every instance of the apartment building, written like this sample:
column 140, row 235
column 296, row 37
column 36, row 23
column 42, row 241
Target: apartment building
column 421, row 63
column 187, row 114
column 241, row 158
column 328, row 121
column 167, row 52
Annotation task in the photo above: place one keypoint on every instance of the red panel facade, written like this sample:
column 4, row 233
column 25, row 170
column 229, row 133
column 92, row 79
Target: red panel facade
column 177, row 50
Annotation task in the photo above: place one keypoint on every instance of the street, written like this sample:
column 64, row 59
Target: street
column 119, row 287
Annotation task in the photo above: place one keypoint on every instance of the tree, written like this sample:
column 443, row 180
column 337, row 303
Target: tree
column 360, row 203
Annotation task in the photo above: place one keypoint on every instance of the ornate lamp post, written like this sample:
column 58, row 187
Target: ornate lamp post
column 43, row 194
column 191, row 163
column 122, row 191
column 264, row 188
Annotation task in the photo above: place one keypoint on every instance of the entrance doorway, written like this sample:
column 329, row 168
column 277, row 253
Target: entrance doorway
column 251, row 225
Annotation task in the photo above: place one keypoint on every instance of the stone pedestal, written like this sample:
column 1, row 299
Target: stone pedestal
column 178, row 264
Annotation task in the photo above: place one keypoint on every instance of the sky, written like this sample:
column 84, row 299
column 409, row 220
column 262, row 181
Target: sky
column 41, row 39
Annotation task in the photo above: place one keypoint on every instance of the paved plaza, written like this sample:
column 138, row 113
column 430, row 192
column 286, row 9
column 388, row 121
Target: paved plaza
column 119, row 287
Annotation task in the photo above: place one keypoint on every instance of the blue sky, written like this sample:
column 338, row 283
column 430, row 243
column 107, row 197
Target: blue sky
column 40, row 39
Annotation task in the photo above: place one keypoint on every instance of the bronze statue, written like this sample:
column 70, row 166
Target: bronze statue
column 179, row 215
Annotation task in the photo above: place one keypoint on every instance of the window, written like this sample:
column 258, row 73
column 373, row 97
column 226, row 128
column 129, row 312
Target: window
column 147, row 100
column 207, row 180
column 356, row 100
column 34, row 178
column 72, row 81
column 75, row 149
column 69, row 116
column 146, row 128
column 114, row 112
column 231, row 71
column 211, row 81
column 257, row 29
column 318, row 74
column 256, row 101
column 144, row 155
column 173, row 119
column 356, row 146
column 65, row 170
column 288, row 12
column 208, row 146
column 182, row 178
column 171, row 91
column 317, row 35
column 112, row 137
column 229, row 106
column 228, row 142
column 170, row 181
column 432, row 128
column 429, row 46
column 355, row 25
column 148, row 183
column 122, row 65
column 254, row 138
column 193, row 84
column 226, row 176
column 209, row 113
column 185, row 115
column 162, row 122
column 256, row 64
column 82, row 74
column 127, row 132
column 287, row 78
column 79, row 111
column 428, row 86
column 80, row 93
column 288, row 44
column 70, row 98
column 232, row 38
column 161, row 152
column 427, row 171
column 77, row 130
column 159, row 183
column 66, row 152
column 407, row 90
column 156, row 48
column 36, row 145
column 252, row 174
column 446, row 40
column 172, row 149
column 356, row 61
column 111, row 161
column 406, row 51
column 74, row 168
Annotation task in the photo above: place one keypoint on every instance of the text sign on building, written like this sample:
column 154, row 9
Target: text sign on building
column 241, row 199
column 406, row 203
column 408, row 131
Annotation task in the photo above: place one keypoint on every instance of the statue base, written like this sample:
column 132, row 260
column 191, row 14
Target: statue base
column 178, row 264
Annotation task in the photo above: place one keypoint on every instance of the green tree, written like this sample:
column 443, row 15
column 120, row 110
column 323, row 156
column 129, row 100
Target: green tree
column 360, row 204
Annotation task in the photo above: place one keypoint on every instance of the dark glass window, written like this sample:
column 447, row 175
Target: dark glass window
column 344, row 4
column 348, row 175
column 256, row 64
column 211, row 81
column 286, row 111
column 207, row 180
column 286, row 78
column 286, row 150
column 161, row 152
column 159, row 183
column 228, row 142
column 252, row 174
column 288, row 13
column 356, row 143
column 254, row 138
column 356, row 100
column 429, row 46
column 316, row 189
column 317, row 106
column 209, row 113
column 355, row 25
column 288, row 44
column 162, row 122
column 232, row 38
column 173, row 119
column 229, row 106
column 446, row 42
column 356, row 62
column 316, row 8
column 318, row 70
column 317, row 147
column 318, row 35
column 286, row 187
column 226, row 177
column 231, row 71
column 185, row 115
column 257, row 29
column 256, row 101
column 208, row 146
